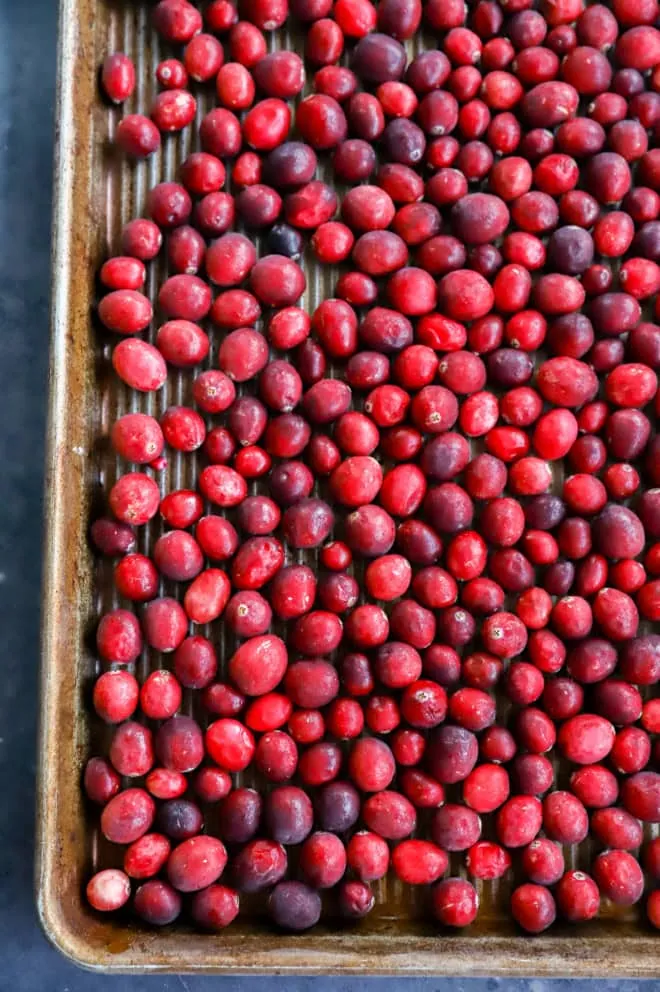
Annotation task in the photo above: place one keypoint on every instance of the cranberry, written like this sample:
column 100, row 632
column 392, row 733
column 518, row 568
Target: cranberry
column 127, row 816
column 258, row 865
column 455, row 902
column 335, row 81
column 146, row 856
column 215, row 908
column 619, row 877
column 241, row 813
column 616, row 614
column 123, row 272
column 518, row 821
column 544, row 512
column 196, row 863
column 323, row 860
column 486, row 788
column 172, row 74
column 577, row 896
column 139, row 365
column 586, row 738
column 618, row 701
column 101, row 781
column 447, row 185
column 115, row 696
column 118, row 77
column 533, row 907
column 562, row 698
column 118, row 637
column 504, row 635
column 212, row 784
column 543, row 862
column 640, row 660
column 321, row 121
column 320, row 764
column 180, row 819
column 276, row 756
column 259, row 664
column 125, row 311
column 640, row 796
column 157, row 903
column 294, row 906
column 487, row 861
column 631, row 750
column 108, row 890
column 137, row 136
column 618, row 829
column 164, row 783
column 509, row 367
column 594, row 785
column 368, row 856
column 389, row 814
column 565, row 818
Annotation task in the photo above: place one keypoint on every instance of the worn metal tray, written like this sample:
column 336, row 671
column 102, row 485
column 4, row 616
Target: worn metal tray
column 95, row 193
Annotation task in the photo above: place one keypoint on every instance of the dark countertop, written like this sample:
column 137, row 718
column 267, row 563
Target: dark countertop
column 27, row 80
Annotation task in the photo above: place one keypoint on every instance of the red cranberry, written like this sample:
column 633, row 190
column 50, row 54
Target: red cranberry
column 108, row 890
column 455, row 828
column 543, row 862
column 519, row 821
column 640, row 796
column 487, row 861
column 595, row 786
column 127, row 816
column 323, row 859
column 586, row 738
column 577, row 896
column 455, row 902
column 452, row 754
column 368, row 856
column 565, row 818
column 533, row 907
column 619, row 877
column 101, row 782
column 160, row 695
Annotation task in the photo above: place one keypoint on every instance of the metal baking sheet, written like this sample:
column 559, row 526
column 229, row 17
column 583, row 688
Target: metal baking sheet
column 95, row 193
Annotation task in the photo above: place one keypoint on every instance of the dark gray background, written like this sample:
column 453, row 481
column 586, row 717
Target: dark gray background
column 27, row 962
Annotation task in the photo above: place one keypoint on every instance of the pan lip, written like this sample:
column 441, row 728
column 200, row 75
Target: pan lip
column 49, row 908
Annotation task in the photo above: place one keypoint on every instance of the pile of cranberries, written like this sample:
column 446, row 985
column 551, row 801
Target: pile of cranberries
column 424, row 518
